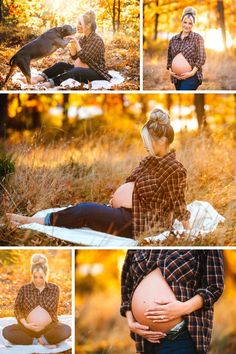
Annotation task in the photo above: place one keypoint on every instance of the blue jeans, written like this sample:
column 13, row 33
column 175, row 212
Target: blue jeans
column 99, row 217
column 62, row 71
column 183, row 344
column 191, row 83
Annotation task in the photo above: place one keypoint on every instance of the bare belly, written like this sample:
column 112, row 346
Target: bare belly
column 80, row 64
column 180, row 65
column 123, row 196
column 151, row 288
column 39, row 316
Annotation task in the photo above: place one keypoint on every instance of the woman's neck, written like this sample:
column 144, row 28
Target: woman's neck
column 87, row 33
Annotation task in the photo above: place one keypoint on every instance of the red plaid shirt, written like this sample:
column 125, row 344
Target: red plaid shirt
column 93, row 54
column 188, row 273
column 192, row 48
column 30, row 297
column 159, row 194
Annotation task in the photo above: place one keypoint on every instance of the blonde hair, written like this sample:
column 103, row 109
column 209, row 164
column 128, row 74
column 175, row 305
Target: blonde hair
column 39, row 263
column 157, row 126
column 90, row 19
column 190, row 12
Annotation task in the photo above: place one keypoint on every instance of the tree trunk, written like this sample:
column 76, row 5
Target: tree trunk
column 169, row 101
column 156, row 23
column 65, row 121
column 118, row 16
column 3, row 115
column 1, row 15
column 114, row 16
column 199, row 102
column 220, row 9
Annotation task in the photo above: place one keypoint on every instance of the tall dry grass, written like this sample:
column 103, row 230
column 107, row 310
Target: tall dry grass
column 65, row 173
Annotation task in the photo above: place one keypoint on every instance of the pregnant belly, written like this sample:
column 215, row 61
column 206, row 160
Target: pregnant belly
column 152, row 287
column 180, row 65
column 123, row 196
column 39, row 316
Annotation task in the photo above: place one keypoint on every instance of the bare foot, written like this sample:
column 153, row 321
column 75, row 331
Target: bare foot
column 49, row 346
column 17, row 220
column 44, row 84
column 34, row 80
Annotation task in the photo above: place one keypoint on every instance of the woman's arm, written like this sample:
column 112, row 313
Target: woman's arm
column 132, row 177
column 126, row 284
column 175, row 187
column 91, row 50
column 211, row 287
column 19, row 305
column 201, row 54
column 165, row 312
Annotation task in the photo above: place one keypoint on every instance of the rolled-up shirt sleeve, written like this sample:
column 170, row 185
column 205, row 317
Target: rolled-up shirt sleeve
column 19, row 305
column 91, row 51
column 169, row 57
column 126, row 285
column 212, row 278
column 201, row 54
column 175, row 187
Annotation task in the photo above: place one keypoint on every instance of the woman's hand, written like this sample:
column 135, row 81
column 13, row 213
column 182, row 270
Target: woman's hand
column 165, row 312
column 186, row 75
column 173, row 74
column 32, row 326
column 143, row 331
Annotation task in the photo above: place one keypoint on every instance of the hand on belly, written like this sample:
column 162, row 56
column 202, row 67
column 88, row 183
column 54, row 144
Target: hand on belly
column 152, row 289
column 40, row 317
column 180, row 65
column 123, row 196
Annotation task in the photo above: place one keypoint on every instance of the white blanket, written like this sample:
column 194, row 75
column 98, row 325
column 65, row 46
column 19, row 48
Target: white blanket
column 8, row 348
column 204, row 219
column 117, row 79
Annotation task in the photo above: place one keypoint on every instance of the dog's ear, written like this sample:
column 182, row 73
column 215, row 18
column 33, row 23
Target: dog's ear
column 66, row 30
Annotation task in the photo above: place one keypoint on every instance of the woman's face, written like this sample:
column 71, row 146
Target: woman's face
column 38, row 279
column 187, row 24
column 80, row 26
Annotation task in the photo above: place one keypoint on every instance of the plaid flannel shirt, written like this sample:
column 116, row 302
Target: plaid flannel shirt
column 159, row 194
column 93, row 54
column 188, row 273
column 30, row 297
column 192, row 48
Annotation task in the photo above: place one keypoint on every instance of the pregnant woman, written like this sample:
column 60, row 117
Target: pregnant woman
column 150, row 200
column 88, row 54
column 168, row 296
column 186, row 54
column 36, row 310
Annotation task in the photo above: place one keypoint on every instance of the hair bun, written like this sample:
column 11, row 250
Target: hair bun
column 159, row 116
column 91, row 14
column 190, row 11
column 38, row 259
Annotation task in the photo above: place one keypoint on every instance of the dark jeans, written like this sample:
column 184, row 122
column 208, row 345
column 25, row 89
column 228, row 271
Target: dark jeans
column 191, row 83
column 183, row 344
column 99, row 217
column 54, row 333
column 61, row 71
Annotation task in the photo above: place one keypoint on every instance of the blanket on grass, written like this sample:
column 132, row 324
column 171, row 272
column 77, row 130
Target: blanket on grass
column 8, row 348
column 204, row 219
column 68, row 84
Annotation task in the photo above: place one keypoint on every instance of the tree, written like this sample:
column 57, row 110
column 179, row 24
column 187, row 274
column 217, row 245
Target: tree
column 199, row 101
column 3, row 114
column 221, row 12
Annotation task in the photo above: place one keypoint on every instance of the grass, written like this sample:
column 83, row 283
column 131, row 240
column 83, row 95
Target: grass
column 61, row 174
column 121, row 55
column 218, row 71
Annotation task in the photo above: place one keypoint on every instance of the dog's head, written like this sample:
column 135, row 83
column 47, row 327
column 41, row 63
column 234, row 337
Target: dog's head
column 67, row 30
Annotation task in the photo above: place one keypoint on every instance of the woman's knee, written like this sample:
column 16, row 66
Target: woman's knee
column 9, row 333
